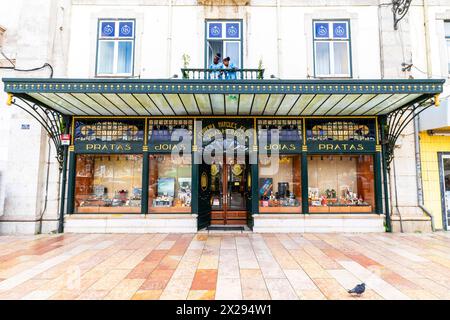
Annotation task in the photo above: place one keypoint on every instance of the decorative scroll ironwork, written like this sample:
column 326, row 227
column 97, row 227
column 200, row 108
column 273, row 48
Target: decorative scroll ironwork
column 400, row 9
column 50, row 120
column 397, row 121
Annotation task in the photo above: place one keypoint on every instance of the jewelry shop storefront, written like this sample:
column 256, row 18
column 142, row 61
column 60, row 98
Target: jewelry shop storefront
column 184, row 155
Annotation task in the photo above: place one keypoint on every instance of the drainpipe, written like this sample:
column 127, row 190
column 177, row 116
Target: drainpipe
column 169, row 38
column 380, row 37
column 279, row 51
column 419, row 182
column 426, row 24
column 396, row 195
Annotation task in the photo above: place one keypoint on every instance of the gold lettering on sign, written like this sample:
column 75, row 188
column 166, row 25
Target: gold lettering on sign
column 280, row 147
column 169, row 147
column 341, row 147
column 119, row 147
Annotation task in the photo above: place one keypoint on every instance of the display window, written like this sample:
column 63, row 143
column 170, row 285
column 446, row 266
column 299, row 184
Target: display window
column 170, row 184
column 341, row 183
column 280, row 185
column 108, row 183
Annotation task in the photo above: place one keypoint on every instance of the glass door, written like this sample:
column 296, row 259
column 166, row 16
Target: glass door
column 228, row 193
column 236, row 192
column 446, row 186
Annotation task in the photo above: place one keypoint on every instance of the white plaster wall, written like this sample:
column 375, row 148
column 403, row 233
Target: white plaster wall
column 155, row 44
column 23, row 153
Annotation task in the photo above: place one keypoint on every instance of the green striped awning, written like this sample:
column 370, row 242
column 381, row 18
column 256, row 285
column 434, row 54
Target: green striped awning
column 179, row 97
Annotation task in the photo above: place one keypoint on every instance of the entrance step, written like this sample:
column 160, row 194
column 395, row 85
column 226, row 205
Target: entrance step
column 225, row 229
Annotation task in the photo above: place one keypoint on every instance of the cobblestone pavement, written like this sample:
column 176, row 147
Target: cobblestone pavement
column 224, row 266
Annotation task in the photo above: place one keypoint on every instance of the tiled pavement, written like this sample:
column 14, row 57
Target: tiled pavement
column 224, row 266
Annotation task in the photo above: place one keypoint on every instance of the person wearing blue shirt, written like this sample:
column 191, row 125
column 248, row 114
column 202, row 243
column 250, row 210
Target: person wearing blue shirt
column 230, row 67
column 216, row 65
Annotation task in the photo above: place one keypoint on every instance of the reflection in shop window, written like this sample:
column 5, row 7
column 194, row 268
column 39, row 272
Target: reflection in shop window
column 280, row 185
column 169, row 184
column 341, row 183
column 108, row 184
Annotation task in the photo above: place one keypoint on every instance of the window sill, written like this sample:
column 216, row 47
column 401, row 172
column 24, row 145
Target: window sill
column 331, row 77
column 114, row 76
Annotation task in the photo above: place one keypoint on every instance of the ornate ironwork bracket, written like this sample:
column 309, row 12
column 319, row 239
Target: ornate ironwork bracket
column 50, row 120
column 397, row 121
column 400, row 9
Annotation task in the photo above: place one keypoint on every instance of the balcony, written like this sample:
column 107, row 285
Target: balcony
column 222, row 74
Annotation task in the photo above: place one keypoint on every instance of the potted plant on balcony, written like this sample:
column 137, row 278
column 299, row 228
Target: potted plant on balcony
column 186, row 60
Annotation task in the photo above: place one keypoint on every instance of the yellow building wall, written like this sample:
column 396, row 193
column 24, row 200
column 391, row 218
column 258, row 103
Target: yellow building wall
column 429, row 148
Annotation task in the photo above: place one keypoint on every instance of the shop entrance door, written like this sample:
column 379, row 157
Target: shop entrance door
column 229, row 193
column 445, row 179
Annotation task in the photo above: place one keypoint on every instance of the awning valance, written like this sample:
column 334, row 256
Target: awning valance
column 179, row 97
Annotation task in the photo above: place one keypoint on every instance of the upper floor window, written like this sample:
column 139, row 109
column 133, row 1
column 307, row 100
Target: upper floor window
column 332, row 48
column 115, row 48
column 225, row 38
column 447, row 42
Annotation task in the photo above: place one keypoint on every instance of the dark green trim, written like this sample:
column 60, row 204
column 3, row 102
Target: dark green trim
column 66, row 121
column 166, row 147
column 378, row 182
column 340, row 147
column 284, row 147
column 144, row 184
column 346, row 86
column 305, row 194
column 254, row 194
column 382, row 122
column 71, row 183
column 108, row 147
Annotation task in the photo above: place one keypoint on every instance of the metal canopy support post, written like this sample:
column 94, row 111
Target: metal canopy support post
column 145, row 181
column 387, row 210
column 71, row 181
column 392, row 126
column 66, row 125
column 397, row 121
column 50, row 120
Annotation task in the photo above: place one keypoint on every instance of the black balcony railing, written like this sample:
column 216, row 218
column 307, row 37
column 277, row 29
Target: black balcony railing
column 223, row 74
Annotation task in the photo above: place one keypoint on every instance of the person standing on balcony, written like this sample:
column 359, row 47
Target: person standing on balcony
column 216, row 65
column 230, row 67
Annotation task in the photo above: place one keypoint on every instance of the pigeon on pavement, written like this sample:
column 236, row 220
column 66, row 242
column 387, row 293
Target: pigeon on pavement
column 358, row 289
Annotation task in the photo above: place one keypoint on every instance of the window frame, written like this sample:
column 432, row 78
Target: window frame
column 331, row 40
column 240, row 39
column 447, row 49
column 116, row 39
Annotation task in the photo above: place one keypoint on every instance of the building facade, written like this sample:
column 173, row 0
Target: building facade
column 335, row 82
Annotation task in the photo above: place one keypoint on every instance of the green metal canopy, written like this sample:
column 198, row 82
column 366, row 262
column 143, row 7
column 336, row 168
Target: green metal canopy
column 180, row 97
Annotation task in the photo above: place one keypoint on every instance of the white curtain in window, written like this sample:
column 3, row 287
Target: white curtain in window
column 448, row 54
column 447, row 28
column 322, row 58
column 106, row 57
column 341, row 58
column 232, row 49
column 125, row 57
